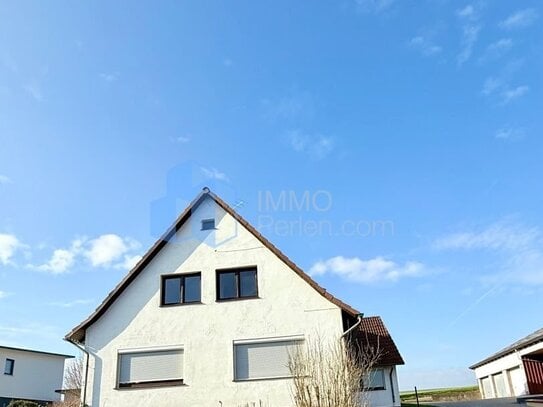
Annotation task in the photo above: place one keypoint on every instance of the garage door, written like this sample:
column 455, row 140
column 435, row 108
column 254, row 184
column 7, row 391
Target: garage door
column 499, row 383
column 487, row 388
column 517, row 381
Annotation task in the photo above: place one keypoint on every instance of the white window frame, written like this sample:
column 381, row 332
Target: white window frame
column 131, row 351
column 295, row 338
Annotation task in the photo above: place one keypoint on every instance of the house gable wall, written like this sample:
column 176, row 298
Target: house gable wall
column 286, row 306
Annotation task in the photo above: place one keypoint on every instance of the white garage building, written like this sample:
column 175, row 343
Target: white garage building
column 516, row 370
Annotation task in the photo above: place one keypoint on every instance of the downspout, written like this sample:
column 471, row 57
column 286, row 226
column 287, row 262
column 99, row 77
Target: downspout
column 358, row 322
column 392, row 386
column 81, row 347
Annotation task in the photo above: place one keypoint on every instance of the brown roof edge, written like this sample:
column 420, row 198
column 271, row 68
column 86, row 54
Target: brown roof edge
column 78, row 333
column 373, row 332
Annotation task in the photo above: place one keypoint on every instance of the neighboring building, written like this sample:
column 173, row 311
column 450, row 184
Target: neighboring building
column 30, row 375
column 516, row 370
column 208, row 318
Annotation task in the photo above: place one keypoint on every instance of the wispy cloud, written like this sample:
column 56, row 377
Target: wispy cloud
column 181, row 139
column 4, row 294
column 424, row 45
column 71, row 304
column 469, row 18
column 213, row 173
column 373, row 270
column 34, row 91
column 109, row 76
column 4, row 180
column 108, row 250
column 9, row 245
column 293, row 107
column 519, row 247
column 510, row 133
column 374, row 6
column 520, row 19
column 316, row 146
column 511, row 94
column 497, row 49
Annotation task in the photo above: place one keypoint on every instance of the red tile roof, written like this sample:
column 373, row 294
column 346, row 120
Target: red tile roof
column 372, row 332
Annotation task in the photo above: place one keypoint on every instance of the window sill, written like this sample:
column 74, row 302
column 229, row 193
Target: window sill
column 181, row 304
column 149, row 385
column 254, row 297
column 374, row 389
column 262, row 379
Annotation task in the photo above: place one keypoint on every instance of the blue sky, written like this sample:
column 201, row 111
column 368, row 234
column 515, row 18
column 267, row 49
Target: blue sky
column 416, row 123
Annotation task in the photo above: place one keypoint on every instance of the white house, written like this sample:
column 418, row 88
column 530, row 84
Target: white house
column 208, row 318
column 30, row 375
column 516, row 370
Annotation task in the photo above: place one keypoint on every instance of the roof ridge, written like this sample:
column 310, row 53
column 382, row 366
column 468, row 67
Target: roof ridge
column 78, row 333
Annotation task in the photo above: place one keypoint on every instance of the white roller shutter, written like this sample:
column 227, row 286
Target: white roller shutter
column 263, row 359
column 152, row 366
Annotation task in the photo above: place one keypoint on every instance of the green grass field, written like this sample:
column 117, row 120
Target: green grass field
column 453, row 393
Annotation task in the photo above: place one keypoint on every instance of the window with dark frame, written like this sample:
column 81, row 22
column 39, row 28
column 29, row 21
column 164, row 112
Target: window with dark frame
column 235, row 284
column 374, row 380
column 150, row 368
column 9, row 366
column 181, row 289
column 208, row 224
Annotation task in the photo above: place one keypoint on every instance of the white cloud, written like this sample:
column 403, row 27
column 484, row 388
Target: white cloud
column 4, row 180
column 497, row 49
column 316, row 146
column 181, row 139
column 510, row 133
column 129, row 262
column 34, row 91
column 9, row 245
column 367, row 271
column 510, row 94
column 107, row 249
column 491, row 85
column 467, row 12
column 519, row 247
column 4, row 294
column 503, row 235
column 109, row 77
column 295, row 106
column 71, row 304
column 470, row 34
column 373, row 6
column 424, row 46
column 520, row 19
column 213, row 173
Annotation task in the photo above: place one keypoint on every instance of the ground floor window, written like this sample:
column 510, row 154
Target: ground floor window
column 374, row 380
column 150, row 368
column 266, row 359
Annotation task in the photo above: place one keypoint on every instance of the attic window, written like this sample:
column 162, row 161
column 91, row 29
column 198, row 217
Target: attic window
column 208, row 224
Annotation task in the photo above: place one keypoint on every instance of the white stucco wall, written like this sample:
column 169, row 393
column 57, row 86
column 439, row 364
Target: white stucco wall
column 36, row 376
column 385, row 398
column 513, row 372
column 287, row 306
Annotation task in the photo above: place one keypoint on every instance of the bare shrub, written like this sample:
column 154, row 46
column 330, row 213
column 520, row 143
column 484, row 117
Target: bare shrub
column 331, row 373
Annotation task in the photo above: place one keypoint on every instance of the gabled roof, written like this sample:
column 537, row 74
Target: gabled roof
column 373, row 333
column 60, row 355
column 529, row 340
column 78, row 333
